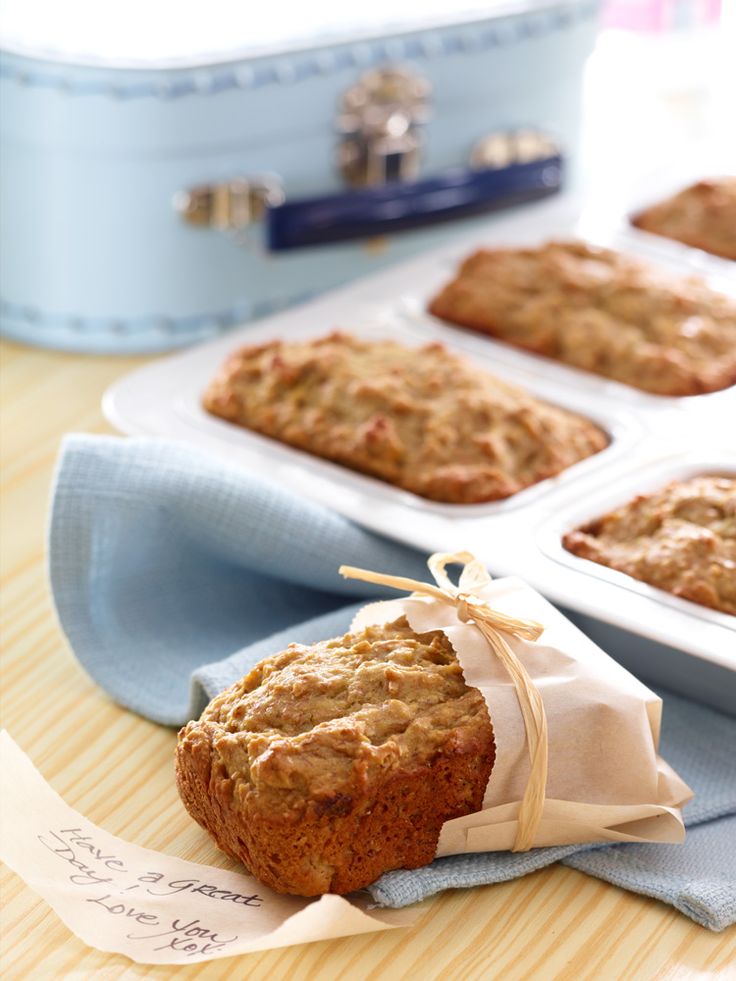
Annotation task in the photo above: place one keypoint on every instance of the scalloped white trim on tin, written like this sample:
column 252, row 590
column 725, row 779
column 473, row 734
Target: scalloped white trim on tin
column 165, row 34
column 148, row 332
column 210, row 80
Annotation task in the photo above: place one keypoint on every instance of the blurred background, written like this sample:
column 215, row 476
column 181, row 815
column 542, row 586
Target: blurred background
column 170, row 169
column 659, row 87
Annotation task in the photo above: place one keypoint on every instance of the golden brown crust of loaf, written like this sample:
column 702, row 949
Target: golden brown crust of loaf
column 702, row 216
column 421, row 419
column 600, row 311
column 681, row 539
column 331, row 764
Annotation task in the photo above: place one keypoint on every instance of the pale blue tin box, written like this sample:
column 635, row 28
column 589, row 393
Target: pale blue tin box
column 136, row 190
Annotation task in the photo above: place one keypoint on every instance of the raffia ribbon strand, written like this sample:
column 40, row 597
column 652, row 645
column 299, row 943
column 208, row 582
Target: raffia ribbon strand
column 493, row 624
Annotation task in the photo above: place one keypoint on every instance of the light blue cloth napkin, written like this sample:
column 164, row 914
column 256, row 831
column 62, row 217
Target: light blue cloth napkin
column 173, row 574
column 162, row 560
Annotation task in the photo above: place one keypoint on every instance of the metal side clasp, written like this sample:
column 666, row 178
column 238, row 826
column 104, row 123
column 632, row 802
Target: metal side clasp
column 230, row 206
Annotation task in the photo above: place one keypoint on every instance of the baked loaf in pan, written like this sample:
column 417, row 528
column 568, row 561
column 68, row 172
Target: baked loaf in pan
column 681, row 539
column 331, row 764
column 600, row 311
column 702, row 215
column 421, row 419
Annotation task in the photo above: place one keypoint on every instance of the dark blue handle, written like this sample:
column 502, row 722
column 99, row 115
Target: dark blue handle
column 395, row 206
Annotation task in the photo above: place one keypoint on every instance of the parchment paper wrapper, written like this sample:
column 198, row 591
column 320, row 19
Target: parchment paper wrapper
column 605, row 780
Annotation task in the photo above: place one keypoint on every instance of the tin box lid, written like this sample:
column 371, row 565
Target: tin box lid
column 162, row 34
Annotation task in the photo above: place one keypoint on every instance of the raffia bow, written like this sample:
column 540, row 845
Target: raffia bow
column 493, row 624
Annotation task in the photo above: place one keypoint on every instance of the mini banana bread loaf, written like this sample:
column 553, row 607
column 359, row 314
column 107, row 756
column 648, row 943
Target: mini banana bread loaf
column 702, row 215
column 681, row 539
column 421, row 419
column 600, row 311
column 331, row 764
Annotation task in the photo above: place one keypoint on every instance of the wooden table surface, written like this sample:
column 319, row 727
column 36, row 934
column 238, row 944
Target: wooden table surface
column 118, row 770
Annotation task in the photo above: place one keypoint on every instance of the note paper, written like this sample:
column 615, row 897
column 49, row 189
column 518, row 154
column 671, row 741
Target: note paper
column 154, row 908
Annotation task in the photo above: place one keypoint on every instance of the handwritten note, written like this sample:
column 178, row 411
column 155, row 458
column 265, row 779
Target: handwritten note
column 154, row 908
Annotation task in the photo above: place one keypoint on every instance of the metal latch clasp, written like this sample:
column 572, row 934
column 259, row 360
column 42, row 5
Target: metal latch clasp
column 379, row 118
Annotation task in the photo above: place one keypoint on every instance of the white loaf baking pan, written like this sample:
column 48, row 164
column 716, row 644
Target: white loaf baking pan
column 624, row 204
column 652, row 440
